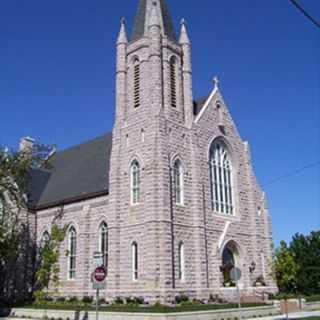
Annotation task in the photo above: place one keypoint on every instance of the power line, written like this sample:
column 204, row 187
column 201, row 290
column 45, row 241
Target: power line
column 300, row 7
column 293, row 173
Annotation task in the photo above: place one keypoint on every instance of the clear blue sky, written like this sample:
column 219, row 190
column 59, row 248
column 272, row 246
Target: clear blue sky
column 57, row 65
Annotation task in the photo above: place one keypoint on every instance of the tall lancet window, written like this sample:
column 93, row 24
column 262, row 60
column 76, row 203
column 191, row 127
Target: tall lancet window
column 221, row 179
column 135, row 266
column 72, row 238
column 136, row 83
column 173, row 81
column 181, row 262
column 178, row 181
column 103, row 243
column 135, row 182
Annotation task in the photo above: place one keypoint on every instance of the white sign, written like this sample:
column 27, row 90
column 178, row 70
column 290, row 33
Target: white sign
column 97, row 259
column 99, row 285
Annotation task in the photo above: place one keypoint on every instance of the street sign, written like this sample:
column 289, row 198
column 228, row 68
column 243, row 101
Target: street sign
column 100, row 274
column 98, row 259
column 235, row 274
column 99, row 285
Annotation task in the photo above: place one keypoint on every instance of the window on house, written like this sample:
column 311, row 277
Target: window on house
column 136, row 84
column 181, row 262
column 135, row 182
column 103, row 243
column 72, row 237
column 221, row 179
column 135, row 261
column 178, row 181
column 173, row 82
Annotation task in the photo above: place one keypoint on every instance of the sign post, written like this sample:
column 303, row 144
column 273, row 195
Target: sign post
column 235, row 275
column 98, row 278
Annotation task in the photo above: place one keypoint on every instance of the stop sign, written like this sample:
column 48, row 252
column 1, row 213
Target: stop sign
column 100, row 274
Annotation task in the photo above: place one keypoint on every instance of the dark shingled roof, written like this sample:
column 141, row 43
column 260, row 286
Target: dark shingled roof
column 77, row 173
column 139, row 23
column 198, row 105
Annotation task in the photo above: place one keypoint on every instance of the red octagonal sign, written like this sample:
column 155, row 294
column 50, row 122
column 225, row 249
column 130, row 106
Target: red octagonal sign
column 100, row 274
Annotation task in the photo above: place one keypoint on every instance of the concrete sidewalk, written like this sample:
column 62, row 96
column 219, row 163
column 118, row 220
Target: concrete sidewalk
column 297, row 315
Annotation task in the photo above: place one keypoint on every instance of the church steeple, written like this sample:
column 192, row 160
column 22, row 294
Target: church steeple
column 142, row 20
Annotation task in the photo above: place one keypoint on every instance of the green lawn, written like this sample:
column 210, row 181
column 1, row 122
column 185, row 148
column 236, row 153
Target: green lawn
column 144, row 309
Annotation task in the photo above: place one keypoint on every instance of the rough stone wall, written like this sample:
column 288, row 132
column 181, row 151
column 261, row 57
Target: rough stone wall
column 155, row 135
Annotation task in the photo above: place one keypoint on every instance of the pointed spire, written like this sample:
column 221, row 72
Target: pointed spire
column 154, row 19
column 122, row 38
column 184, row 37
column 143, row 16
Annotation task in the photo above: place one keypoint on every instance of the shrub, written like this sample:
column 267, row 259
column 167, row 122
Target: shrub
column 181, row 298
column 129, row 300
column 139, row 300
column 102, row 301
column 87, row 299
column 61, row 299
column 73, row 300
column 118, row 300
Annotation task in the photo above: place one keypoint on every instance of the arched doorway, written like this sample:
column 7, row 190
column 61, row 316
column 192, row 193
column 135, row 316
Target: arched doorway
column 230, row 259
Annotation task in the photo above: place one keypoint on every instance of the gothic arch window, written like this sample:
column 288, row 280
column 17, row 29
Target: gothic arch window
column 72, row 249
column 181, row 262
column 178, row 182
column 135, row 265
column 103, row 243
column 44, row 239
column 136, row 83
column 221, row 178
column 173, row 81
column 135, row 182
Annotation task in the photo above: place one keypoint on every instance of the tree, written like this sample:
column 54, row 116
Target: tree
column 48, row 273
column 16, row 251
column 285, row 269
column 306, row 250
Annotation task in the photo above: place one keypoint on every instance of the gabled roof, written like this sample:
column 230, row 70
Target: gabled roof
column 143, row 14
column 198, row 104
column 77, row 173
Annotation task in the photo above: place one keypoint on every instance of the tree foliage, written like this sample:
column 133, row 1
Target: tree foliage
column 48, row 272
column 297, row 266
column 285, row 269
column 16, row 251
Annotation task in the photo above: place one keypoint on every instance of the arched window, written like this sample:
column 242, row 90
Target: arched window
column 72, row 238
column 173, row 82
column 181, row 262
column 221, row 179
column 178, row 181
column 136, row 83
column 103, row 243
column 135, row 265
column 135, row 182
column 44, row 239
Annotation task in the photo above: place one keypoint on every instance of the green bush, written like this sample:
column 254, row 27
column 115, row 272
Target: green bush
column 102, row 301
column 87, row 300
column 73, row 300
column 118, row 300
column 181, row 299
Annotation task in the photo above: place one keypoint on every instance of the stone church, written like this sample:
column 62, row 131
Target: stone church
column 169, row 198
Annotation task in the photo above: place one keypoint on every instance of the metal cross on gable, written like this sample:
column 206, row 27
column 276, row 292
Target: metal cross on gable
column 216, row 82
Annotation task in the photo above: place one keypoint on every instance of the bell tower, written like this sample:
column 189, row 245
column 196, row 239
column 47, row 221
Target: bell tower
column 154, row 73
column 154, row 115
